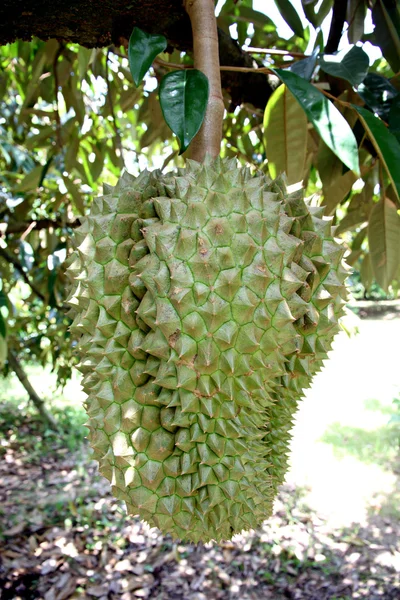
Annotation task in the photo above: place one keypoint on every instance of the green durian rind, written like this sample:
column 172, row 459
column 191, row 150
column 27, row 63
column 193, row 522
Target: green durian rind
column 205, row 301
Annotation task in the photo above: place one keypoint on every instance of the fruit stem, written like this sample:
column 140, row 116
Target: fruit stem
column 206, row 59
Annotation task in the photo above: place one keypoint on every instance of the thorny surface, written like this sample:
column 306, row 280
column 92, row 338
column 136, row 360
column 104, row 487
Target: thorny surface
column 64, row 536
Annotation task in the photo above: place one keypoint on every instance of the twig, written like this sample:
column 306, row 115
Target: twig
column 117, row 53
column 273, row 51
column 16, row 366
column 170, row 65
column 19, row 227
column 111, row 102
column 332, row 97
column 17, row 265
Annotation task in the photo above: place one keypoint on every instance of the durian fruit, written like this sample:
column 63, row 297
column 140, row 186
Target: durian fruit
column 205, row 302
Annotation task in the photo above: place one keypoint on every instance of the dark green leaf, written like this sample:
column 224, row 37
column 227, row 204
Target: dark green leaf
column 352, row 66
column 394, row 118
column 45, row 170
column 319, row 42
column 386, row 17
column 3, row 327
column 316, row 18
column 305, row 67
column 323, row 11
column 378, row 93
column 385, row 143
column 356, row 12
column 327, row 120
column 183, row 99
column 3, row 298
column 291, row 17
column 142, row 50
column 249, row 15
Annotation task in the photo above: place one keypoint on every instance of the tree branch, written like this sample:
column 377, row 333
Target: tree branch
column 19, row 227
column 206, row 59
column 17, row 265
column 337, row 25
column 16, row 366
column 114, row 22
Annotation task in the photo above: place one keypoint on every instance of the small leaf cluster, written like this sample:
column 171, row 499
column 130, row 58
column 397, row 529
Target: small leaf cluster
column 183, row 94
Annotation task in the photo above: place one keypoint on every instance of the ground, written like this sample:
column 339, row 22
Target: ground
column 335, row 529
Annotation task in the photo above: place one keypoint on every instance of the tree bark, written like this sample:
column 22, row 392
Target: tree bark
column 97, row 24
column 206, row 59
column 34, row 397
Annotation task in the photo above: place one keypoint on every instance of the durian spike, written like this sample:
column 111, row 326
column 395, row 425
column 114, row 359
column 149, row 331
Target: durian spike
column 206, row 59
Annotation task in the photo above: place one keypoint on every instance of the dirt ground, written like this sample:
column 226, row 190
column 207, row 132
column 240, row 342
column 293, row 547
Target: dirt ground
column 65, row 537
column 334, row 533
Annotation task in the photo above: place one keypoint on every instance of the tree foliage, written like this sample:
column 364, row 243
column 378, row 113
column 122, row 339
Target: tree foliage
column 71, row 119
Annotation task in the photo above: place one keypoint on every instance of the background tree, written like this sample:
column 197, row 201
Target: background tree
column 71, row 118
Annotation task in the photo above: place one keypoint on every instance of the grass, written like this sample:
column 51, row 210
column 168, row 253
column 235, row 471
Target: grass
column 372, row 446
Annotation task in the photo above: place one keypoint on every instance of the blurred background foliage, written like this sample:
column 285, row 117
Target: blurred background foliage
column 71, row 120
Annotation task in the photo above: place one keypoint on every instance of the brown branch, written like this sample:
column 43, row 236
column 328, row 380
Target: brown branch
column 206, row 59
column 22, row 227
column 169, row 65
column 337, row 25
column 273, row 51
column 16, row 366
column 17, row 265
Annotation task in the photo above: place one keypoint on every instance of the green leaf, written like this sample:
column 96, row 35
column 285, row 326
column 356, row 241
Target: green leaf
column 356, row 12
column 183, row 99
column 386, row 18
column 329, row 166
column 285, row 135
column 305, row 67
column 327, row 120
column 291, row 17
column 142, row 50
column 352, row 66
column 84, row 57
column 337, row 191
column 75, row 195
column 385, row 143
column 384, row 241
column 31, row 181
column 357, row 212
